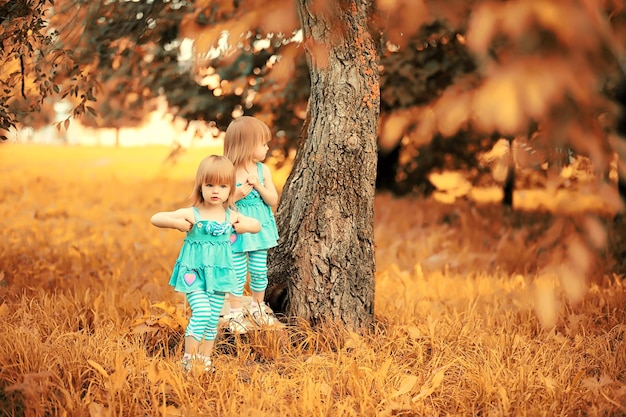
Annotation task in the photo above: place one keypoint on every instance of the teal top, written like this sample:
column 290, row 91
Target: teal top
column 205, row 261
column 253, row 206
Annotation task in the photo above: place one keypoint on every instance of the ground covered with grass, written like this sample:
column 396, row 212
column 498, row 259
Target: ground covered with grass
column 480, row 310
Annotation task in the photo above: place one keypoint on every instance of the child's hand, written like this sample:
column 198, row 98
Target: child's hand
column 242, row 191
column 253, row 180
column 236, row 226
column 181, row 219
column 184, row 225
column 236, row 223
column 243, row 224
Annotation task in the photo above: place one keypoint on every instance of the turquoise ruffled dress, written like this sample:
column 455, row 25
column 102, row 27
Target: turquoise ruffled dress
column 253, row 206
column 205, row 261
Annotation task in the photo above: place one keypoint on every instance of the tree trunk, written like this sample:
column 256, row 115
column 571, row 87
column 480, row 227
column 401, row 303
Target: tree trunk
column 323, row 267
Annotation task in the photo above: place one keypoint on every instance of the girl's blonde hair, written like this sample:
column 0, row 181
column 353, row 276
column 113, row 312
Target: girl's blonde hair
column 242, row 136
column 214, row 169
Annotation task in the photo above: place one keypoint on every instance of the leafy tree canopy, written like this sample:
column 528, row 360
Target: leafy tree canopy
column 452, row 72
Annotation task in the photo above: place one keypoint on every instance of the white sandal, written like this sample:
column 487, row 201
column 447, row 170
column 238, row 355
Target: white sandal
column 261, row 314
column 189, row 361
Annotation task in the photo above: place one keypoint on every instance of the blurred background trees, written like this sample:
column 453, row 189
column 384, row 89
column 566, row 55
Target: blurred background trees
column 455, row 76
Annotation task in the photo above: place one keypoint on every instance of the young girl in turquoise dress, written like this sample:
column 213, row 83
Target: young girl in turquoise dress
column 204, row 270
column 246, row 145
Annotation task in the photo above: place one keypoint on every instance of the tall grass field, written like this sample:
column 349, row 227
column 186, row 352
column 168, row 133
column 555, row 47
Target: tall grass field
column 480, row 311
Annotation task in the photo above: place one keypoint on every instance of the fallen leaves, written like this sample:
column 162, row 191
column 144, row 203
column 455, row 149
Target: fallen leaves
column 89, row 325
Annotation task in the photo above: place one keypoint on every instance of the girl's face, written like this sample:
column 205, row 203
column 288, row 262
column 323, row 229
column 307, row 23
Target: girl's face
column 260, row 152
column 215, row 194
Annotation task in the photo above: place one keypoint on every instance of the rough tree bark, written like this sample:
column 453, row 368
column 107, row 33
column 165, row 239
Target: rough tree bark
column 323, row 268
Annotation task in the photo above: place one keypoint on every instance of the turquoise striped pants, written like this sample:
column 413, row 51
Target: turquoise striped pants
column 256, row 263
column 205, row 314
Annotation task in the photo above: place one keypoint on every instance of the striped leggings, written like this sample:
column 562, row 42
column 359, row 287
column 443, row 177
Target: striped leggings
column 256, row 263
column 205, row 314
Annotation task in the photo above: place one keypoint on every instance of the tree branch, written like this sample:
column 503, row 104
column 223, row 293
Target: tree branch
column 23, row 76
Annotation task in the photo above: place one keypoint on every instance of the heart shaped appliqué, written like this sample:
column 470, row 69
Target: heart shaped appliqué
column 189, row 278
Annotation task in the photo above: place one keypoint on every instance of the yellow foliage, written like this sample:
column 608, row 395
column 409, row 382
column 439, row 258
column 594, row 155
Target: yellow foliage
column 453, row 111
column 392, row 128
column 430, row 387
column 497, row 105
column 451, row 182
column 468, row 307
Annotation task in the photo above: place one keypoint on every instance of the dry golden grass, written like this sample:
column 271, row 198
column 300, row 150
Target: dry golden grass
column 474, row 317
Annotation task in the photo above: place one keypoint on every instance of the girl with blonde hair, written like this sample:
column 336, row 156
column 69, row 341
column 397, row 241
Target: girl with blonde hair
column 204, row 270
column 246, row 145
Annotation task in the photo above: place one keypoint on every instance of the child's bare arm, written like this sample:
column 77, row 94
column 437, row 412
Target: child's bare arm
column 268, row 190
column 244, row 224
column 181, row 219
column 242, row 191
